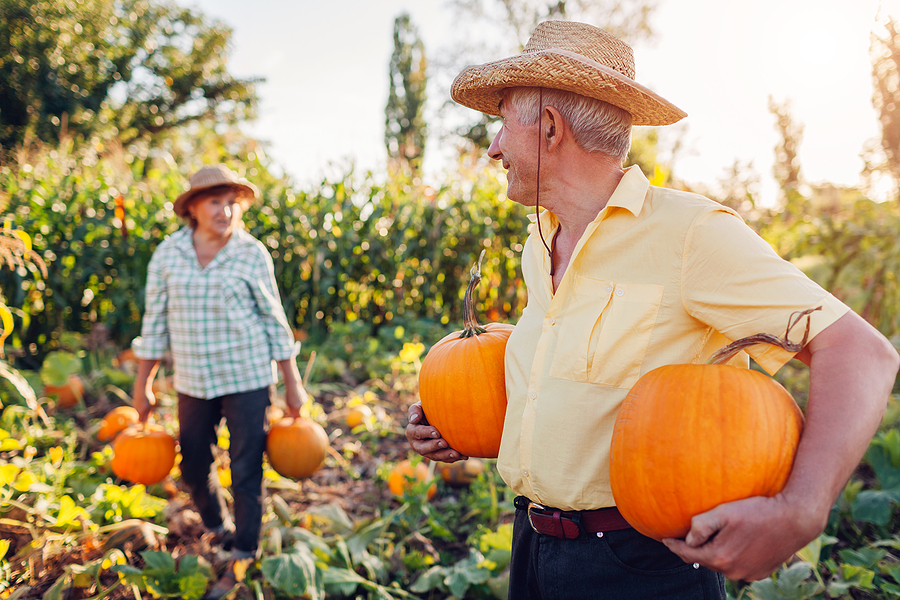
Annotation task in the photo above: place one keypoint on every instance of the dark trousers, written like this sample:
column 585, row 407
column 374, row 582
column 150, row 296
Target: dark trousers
column 245, row 415
column 619, row 565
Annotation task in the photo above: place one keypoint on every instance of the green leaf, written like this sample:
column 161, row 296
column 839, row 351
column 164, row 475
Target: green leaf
column 860, row 577
column 813, row 550
column 432, row 579
column 129, row 575
column 863, row 557
column 294, row 573
column 58, row 366
column 343, row 582
column 192, row 587
column 4, row 548
column 158, row 561
column 874, row 506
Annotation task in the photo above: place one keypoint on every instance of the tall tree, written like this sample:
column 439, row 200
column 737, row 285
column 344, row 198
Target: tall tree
column 405, row 130
column 128, row 68
column 885, row 54
column 787, row 165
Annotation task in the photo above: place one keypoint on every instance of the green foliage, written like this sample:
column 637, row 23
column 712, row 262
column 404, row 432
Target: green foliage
column 405, row 130
column 164, row 578
column 119, row 69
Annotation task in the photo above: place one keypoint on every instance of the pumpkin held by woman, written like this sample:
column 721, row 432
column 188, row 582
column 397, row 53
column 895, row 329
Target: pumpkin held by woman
column 691, row 437
column 296, row 447
column 143, row 453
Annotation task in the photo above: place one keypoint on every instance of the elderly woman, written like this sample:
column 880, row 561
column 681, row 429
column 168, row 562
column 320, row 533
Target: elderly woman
column 211, row 298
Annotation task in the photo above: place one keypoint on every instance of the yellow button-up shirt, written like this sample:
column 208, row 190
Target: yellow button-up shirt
column 659, row 277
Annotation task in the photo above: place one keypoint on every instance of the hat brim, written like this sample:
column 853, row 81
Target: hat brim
column 247, row 193
column 481, row 86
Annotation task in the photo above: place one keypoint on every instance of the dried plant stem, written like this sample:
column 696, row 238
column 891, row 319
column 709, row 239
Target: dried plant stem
column 470, row 324
column 725, row 354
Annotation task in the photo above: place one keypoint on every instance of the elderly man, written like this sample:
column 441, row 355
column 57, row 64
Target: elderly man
column 624, row 277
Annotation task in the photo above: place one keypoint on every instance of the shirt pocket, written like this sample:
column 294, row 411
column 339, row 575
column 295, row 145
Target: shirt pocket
column 622, row 334
column 579, row 316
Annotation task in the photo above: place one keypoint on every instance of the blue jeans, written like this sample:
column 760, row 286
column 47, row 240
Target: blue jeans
column 245, row 415
column 619, row 565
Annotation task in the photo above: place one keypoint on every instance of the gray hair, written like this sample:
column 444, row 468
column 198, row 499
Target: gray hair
column 597, row 126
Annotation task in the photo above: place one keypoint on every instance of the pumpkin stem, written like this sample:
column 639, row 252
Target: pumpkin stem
column 724, row 354
column 470, row 325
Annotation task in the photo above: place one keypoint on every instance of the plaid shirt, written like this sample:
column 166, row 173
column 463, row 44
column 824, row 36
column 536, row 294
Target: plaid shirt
column 224, row 322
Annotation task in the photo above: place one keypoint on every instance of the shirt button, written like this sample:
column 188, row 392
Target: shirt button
column 525, row 472
column 620, row 292
column 552, row 321
column 696, row 565
column 533, row 395
column 609, row 288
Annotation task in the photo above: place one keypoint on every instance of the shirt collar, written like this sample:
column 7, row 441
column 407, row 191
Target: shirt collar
column 629, row 194
column 631, row 191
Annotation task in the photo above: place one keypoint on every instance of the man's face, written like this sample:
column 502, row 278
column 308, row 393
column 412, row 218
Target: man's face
column 516, row 146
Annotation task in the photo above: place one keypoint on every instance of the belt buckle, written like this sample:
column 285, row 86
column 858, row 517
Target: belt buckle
column 534, row 505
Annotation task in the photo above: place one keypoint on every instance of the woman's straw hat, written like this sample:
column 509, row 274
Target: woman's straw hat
column 565, row 55
column 212, row 176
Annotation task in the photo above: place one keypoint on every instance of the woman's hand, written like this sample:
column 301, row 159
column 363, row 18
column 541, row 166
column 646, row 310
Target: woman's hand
column 143, row 398
column 295, row 396
column 426, row 440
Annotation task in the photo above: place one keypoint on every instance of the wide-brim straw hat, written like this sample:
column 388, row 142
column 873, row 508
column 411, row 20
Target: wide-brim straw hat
column 566, row 55
column 212, row 176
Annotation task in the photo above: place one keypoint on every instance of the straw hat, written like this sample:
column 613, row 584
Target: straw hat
column 211, row 176
column 565, row 55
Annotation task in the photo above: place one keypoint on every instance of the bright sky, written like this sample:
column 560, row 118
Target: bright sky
column 326, row 79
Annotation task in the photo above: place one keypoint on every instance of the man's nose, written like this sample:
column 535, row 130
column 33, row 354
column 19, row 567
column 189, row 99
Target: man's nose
column 494, row 150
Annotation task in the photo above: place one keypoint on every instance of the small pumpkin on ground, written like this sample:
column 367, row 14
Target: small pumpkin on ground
column 143, row 453
column 358, row 414
column 68, row 394
column 403, row 476
column 461, row 473
column 462, row 382
column 691, row 437
column 296, row 447
column 115, row 421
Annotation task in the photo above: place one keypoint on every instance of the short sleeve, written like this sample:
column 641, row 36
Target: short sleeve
column 733, row 281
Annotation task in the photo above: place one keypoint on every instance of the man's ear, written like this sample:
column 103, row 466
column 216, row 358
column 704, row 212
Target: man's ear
column 553, row 127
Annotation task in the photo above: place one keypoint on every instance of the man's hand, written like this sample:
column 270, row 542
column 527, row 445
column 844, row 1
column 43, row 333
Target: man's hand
column 426, row 440
column 747, row 539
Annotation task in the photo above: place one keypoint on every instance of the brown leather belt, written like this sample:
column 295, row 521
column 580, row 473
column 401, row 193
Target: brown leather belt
column 569, row 524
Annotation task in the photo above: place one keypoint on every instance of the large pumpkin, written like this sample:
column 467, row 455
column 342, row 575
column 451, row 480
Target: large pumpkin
column 691, row 437
column 143, row 453
column 462, row 383
column 116, row 420
column 296, row 447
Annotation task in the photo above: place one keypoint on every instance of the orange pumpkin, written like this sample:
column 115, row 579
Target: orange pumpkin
column 357, row 415
column 143, row 453
column 68, row 394
column 462, row 382
column 461, row 473
column 115, row 421
column 404, row 475
column 691, row 437
column 296, row 447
